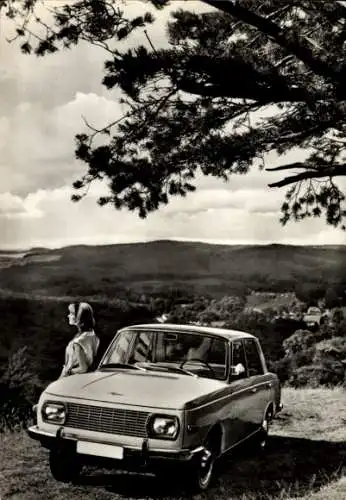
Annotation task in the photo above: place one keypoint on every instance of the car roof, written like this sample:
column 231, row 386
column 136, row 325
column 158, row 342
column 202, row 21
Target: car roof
column 181, row 328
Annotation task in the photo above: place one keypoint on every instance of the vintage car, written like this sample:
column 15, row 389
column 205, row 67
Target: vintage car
column 162, row 396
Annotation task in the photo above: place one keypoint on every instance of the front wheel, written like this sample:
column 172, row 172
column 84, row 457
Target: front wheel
column 65, row 467
column 203, row 468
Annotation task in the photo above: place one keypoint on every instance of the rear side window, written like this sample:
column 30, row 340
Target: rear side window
column 254, row 361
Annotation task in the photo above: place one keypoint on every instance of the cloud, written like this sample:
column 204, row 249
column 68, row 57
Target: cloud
column 60, row 222
column 14, row 207
column 53, row 80
column 37, row 148
column 50, row 80
column 255, row 200
column 10, row 205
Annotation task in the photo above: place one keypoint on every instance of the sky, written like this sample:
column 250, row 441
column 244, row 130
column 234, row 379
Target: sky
column 42, row 102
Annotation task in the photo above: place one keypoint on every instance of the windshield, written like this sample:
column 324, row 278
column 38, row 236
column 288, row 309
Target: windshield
column 192, row 353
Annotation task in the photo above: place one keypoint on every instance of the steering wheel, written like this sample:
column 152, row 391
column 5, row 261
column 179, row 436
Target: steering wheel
column 205, row 363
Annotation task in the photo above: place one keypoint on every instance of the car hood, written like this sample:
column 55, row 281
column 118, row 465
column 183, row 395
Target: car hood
column 148, row 389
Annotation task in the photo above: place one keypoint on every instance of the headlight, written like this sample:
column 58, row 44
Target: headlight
column 163, row 427
column 54, row 413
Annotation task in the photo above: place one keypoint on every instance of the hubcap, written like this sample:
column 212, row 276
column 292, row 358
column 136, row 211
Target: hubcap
column 265, row 425
column 206, row 467
column 265, row 429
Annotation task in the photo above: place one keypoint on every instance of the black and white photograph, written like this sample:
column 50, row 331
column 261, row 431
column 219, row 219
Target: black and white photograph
column 172, row 249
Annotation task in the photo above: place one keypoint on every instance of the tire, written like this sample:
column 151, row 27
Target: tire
column 264, row 432
column 203, row 469
column 64, row 467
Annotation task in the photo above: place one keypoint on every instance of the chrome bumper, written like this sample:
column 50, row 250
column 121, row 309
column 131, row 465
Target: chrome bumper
column 59, row 439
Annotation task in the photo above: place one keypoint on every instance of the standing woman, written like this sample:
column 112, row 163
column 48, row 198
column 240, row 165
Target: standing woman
column 81, row 351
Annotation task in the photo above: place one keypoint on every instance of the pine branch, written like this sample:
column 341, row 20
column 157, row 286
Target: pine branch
column 289, row 166
column 310, row 173
column 272, row 30
column 240, row 90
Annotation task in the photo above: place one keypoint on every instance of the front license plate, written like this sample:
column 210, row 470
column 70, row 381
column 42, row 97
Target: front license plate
column 100, row 450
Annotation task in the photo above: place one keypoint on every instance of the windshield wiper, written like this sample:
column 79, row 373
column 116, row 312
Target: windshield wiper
column 122, row 365
column 164, row 367
column 145, row 366
column 182, row 370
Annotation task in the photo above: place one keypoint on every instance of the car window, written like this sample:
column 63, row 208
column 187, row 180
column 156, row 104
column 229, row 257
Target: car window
column 195, row 351
column 238, row 356
column 254, row 362
column 207, row 356
column 142, row 349
column 217, row 352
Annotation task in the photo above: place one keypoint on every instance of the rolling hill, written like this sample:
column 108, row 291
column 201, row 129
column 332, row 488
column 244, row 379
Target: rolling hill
column 153, row 266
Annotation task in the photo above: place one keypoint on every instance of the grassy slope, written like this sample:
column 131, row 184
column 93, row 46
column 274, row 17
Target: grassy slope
column 305, row 460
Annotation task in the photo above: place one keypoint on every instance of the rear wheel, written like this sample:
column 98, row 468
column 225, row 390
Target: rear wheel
column 264, row 431
column 65, row 467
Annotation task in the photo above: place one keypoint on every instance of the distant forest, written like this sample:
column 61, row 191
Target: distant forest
column 169, row 267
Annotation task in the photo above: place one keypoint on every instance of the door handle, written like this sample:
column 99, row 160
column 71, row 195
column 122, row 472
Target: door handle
column 254, row 389
column 269, row 385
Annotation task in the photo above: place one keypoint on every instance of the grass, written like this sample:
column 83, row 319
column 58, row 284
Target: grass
column 306, row 459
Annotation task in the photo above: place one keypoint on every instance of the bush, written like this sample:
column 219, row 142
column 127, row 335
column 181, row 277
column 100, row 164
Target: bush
column 331, row 349
column 315, row 359
column 301, row 340
column 304, row 358
column 19, row 390
column 331, row 355
column 317, row 375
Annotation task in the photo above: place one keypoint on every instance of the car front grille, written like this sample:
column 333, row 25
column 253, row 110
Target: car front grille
column 110, row 420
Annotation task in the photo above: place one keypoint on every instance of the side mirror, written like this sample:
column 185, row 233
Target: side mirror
column 237, row 370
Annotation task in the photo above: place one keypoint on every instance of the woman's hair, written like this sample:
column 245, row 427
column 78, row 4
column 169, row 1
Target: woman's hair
column 84, row 316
